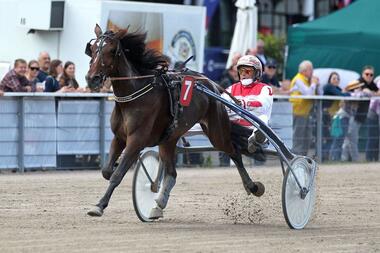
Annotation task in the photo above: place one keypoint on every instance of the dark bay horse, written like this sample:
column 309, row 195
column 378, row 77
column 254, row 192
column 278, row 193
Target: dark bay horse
column 141, row 116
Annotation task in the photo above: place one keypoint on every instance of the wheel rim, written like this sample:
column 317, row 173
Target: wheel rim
column 144, row 197
column 298, row 210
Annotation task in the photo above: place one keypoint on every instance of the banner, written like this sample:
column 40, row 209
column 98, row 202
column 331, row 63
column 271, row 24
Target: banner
column 178, row 31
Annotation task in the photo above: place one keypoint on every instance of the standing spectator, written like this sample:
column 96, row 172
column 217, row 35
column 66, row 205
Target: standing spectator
column 44, row 63
column 229, row 77
column 302, row 84
column 260, row 52
column 67, row 78
column 368, row 88
column 15, row 80
column 330, row 107
column 51, row 82
column 373, row 117
column 269, row 75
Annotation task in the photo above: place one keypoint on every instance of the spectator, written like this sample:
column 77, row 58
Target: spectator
column 15, row 80
column 67, row 78
column 367, row 88
column 44, row 63
column 302, row 84
column 31, row 74
column 260, row 52
column 269, row 75
column 372, row 146
column 230, row 76
column 330, row 107
column 51, row 82
column 339, row 127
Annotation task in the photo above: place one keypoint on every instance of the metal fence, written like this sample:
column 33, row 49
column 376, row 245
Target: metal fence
column 37, row 129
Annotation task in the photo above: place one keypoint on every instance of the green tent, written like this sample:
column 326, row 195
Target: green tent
column 347, row 39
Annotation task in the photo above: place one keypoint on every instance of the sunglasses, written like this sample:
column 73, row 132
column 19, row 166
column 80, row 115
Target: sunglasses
column 245, row 71
column 271, row 67
column 34, row 68
column 368, row 74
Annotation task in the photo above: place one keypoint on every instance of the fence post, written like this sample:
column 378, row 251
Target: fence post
column 319, row 129
column 21, row 134
column 102, row 131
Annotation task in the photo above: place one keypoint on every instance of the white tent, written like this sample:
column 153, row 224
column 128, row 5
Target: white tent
column 245, row 33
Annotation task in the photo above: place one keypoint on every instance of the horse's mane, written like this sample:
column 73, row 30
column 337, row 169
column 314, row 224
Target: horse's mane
column 136, row 52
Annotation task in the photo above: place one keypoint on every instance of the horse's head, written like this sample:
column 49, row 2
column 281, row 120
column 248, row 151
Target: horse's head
column 104, row 52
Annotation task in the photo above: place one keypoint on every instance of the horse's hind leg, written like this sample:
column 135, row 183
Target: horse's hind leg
column 256, row 188
column 167, row 156
column 131, row 154
column 220, row 137
column 117, row 146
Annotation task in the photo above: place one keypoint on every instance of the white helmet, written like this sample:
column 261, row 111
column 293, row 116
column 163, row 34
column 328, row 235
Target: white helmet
column 251, row 61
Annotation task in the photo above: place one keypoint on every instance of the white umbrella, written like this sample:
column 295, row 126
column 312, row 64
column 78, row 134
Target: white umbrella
column 245, row 33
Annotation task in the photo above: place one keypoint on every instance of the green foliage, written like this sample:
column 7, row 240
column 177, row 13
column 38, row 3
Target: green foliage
column 207, row 162
column 275, row 48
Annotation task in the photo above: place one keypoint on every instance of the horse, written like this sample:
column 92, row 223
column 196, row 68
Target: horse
column 142, row 116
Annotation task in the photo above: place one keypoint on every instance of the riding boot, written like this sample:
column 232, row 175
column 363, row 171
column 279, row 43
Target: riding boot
column 256, row 138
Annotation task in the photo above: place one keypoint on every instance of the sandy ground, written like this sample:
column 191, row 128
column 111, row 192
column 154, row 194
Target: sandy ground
column 208, row 212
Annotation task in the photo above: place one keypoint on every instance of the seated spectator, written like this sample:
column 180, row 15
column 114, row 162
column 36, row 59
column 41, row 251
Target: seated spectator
column 230, row 75
column 44, row 64
column 51, row 82
column 15, row 80
column 31, row 74
column 67, row 78
column 269, row 75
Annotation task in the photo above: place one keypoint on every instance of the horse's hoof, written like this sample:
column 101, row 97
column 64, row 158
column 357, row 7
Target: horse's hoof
column 106, row 174
column 95, row 212
column 156, row 213
column 259, row 189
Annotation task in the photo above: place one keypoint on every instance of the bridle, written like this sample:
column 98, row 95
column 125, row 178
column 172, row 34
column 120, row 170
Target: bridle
column 118, row 52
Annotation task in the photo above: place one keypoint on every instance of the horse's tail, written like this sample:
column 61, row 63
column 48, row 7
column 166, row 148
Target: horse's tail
column 239, row 137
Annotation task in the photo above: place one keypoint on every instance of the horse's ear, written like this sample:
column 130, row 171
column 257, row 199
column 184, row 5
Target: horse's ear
column 98, row 30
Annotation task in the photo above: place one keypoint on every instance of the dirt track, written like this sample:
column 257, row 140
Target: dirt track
column 46, row 212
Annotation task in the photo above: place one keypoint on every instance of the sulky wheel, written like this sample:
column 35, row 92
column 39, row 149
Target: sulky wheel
column 298, row 203
column 144, row 191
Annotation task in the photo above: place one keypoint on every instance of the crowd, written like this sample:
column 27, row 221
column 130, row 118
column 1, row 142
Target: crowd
column 341, row 119
column 42, row 75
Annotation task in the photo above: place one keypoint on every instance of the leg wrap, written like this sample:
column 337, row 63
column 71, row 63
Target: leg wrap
column 163, row 196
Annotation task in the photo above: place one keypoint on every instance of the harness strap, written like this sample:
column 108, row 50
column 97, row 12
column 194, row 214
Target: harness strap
column 134, row 95
column 130, row 77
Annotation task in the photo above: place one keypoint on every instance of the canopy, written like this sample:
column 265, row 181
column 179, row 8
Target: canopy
column 245, row 33
column 346, row 39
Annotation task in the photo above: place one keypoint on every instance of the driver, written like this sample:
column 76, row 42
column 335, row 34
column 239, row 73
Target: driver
column 254, row 96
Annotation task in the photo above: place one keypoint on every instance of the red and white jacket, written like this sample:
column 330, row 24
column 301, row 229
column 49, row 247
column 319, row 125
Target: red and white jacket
column 257, row 98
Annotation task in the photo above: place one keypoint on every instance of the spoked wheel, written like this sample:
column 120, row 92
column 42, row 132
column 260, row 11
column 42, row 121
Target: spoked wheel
column 146, row 184
column 298, row 203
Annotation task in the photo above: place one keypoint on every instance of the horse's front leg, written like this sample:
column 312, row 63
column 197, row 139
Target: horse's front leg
column 167, row 156
column 117, row 146
column 131, row 154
